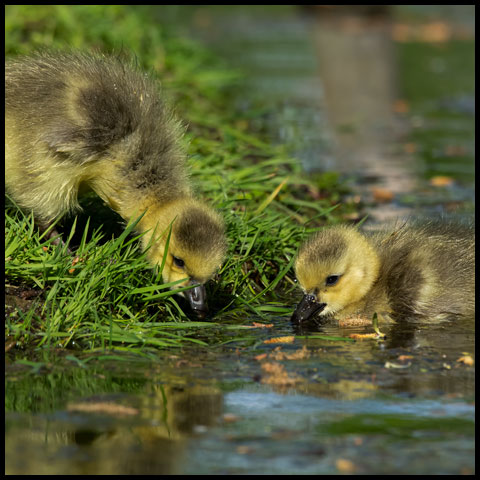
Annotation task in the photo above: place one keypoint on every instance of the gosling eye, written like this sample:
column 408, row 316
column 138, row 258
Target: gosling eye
column 178, row 261
column 331, row 280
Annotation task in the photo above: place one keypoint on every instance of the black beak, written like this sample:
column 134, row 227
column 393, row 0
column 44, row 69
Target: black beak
column 306, row 309
column 197, row 298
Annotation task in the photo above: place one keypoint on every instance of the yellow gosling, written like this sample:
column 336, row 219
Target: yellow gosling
column 424, row 271
column 75, row 122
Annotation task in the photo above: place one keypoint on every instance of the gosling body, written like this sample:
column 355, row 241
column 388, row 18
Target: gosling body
column 415, row 271
column 75, row 122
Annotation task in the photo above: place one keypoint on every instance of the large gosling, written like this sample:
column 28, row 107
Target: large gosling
column 77, row 121
column 414, row 271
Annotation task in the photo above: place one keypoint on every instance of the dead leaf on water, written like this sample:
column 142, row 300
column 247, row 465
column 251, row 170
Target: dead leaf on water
column 430, row 32
column 455, row 150
column 436, row 32
column 230, row 418
column 466, row 360
column 244, row 449
column 258, row 325
column 401, row 106
column 287, row 339
column 261, row 357
column 382, row 194
column 277, row 375
column 441, row 181
column 409, row 147
column 345, row 466
column 299, row 354
column 103, row 408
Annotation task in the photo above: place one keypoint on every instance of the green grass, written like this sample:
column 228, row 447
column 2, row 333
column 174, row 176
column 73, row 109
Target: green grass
column 104, row 295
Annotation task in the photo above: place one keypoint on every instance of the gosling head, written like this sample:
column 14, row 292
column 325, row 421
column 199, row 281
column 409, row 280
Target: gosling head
column 196, row 249
column 335, row 268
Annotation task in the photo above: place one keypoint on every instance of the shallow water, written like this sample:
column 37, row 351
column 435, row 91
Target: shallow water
column 404, row 405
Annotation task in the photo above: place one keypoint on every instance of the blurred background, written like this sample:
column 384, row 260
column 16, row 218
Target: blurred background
column 383, row 94
column 380, row 95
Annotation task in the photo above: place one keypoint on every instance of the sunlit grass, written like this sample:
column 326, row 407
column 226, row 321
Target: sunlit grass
column 104, row 294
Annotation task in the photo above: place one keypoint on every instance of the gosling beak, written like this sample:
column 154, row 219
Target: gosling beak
column 197, row 298
column 306, row 309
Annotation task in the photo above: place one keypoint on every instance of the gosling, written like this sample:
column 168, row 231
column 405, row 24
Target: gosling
column 77, row 122
column 424, row 272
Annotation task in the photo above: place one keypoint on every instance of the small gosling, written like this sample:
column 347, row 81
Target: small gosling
column 418, row 270
column 74, row 122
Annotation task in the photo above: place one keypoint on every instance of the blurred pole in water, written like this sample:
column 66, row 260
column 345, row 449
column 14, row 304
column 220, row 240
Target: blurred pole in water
column 358, row 72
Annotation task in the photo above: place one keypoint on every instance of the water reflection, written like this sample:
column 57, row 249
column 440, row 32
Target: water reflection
column 211, row 412
column 335, row 84
column 358, row 69
column 151, row 439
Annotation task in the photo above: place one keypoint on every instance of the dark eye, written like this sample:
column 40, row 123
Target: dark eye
column 178, row 262
column 331, row 280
